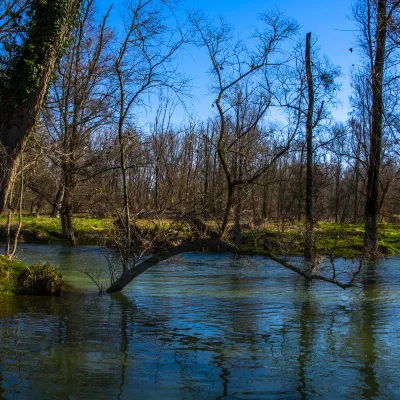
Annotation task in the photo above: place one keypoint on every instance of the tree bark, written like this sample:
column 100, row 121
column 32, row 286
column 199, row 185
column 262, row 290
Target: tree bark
column 375, row 151
column 55, row 212
column 23, row 94
column 66, row 209
column 308, row 245
column 213, row 244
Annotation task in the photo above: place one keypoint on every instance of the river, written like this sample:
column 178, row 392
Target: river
column 202, row 327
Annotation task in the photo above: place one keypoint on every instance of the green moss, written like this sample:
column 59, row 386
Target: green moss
column 16, row 277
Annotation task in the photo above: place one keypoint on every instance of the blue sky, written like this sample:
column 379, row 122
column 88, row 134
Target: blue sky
column 327, row 20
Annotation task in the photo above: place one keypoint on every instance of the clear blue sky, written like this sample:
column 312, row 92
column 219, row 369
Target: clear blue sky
column 326, row 19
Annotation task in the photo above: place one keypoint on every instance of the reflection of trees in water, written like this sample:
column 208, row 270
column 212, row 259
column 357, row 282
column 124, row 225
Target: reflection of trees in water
column 57, row 341
column 369, row 321
column 11, row 354
column 125, row 305
column 359, row 346
column 306, row 319
column 361, row 340
column 94, row 346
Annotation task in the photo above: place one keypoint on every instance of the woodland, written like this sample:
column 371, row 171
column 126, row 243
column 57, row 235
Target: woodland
column 95, row 141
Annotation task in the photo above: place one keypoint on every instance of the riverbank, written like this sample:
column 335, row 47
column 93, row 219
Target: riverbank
column 341, row 240
column 19, row 278
column 337, row 239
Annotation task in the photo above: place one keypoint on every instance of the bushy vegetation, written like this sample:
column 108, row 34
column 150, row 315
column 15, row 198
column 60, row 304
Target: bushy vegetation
column 18, row 278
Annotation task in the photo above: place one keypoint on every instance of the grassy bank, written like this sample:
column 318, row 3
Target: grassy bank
column 344, row 240
column 19, row 278
column 340, row 239
column 48, row 230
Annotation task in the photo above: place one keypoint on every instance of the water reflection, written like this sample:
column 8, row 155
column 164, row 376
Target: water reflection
column 210, row 327
column 370, row 320
column 305, row 344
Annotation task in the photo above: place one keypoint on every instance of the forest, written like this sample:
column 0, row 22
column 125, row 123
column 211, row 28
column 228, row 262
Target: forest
column 89, row 129
column 196, row 205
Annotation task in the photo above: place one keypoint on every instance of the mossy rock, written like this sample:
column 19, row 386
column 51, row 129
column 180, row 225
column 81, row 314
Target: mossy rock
column 40, row 280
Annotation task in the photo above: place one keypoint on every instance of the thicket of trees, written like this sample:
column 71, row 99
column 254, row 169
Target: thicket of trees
column 87, row 153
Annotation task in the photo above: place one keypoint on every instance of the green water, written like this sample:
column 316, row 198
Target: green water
column 204, row 327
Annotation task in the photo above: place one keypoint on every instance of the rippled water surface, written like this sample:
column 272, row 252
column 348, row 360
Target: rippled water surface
column 202, row 327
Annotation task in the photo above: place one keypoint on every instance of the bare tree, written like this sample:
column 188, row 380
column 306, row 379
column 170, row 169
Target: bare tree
column 145, row 63
column 232, row 67
column 378, row 42
column 78, row 108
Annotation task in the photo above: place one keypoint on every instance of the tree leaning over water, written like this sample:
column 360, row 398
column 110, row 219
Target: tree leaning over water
column 29, row 56
column 242, row 101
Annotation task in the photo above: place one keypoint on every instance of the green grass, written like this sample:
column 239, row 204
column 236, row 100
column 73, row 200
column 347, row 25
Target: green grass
column 19, row 278
column 10, row 270
column 345, row 240
column 48, row 230
column 340, row 239
column 87, row 230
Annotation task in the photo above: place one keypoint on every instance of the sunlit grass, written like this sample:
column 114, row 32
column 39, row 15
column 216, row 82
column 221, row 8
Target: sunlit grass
column 341, row 239
column 16, row 277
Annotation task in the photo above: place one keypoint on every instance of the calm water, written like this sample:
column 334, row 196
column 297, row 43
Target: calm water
column 203, row 327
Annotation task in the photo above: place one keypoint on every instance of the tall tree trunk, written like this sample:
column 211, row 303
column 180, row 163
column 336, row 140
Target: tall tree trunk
column 356, row 181
column 228, row 209
column 23, row 94
column 66, row 219
column 66, row 208
column 375, row 150
column 10, row 253
column 337, row 192
column 300, row 199
column 264, row 210
column 308, row 245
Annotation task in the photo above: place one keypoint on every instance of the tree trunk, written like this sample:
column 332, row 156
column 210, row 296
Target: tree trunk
column 66, row 211
column 337, row 192
column 237, row 228
column 66, row 225
column 356, row 180
column 213, row 244
column 300, row 199
column 55, row 212
column 372, row 203
column 308, row 245
column 228, row 209
column 23, row 94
